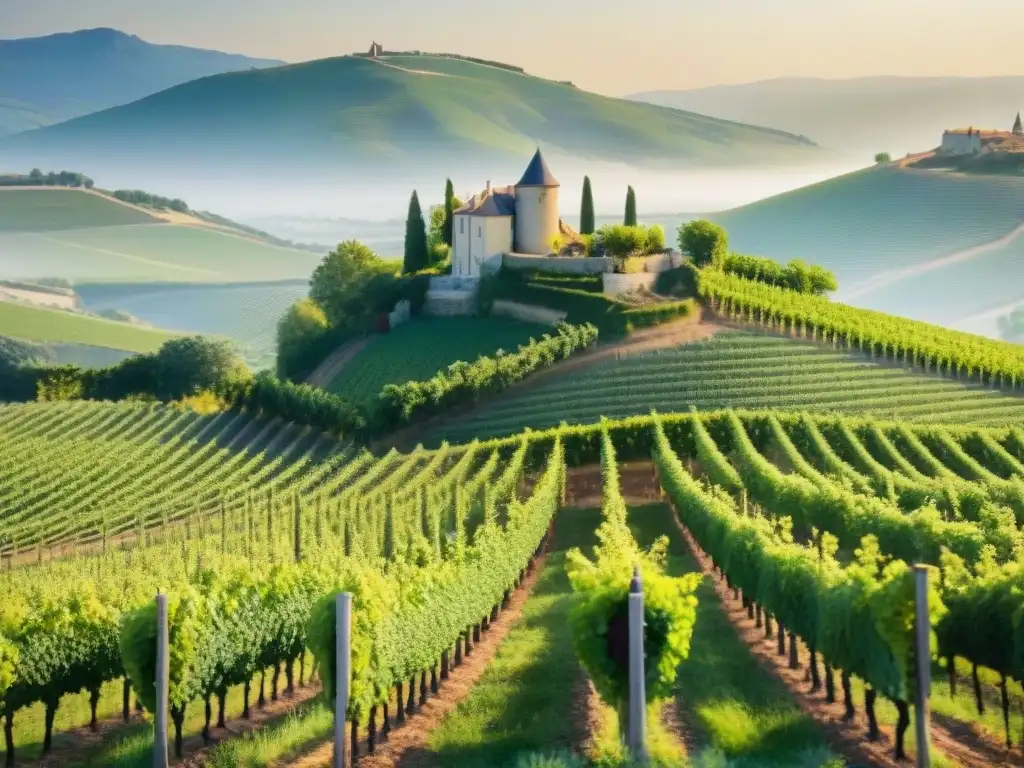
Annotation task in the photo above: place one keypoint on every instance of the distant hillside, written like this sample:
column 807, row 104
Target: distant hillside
column 862, row 115
column 334, row 117
column 932, row 246
column 82, row 235
column 46, row 80
column 48, row 326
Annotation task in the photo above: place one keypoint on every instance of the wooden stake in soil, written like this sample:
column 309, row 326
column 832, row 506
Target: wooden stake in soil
column 342, row 648
column 923, row 657
column 163, row 669
column 637, row 696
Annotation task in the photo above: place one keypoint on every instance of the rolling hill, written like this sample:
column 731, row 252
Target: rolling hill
column 333, row 117
column 246, row 313
column 860, row 115
column 46, row 80
column 63, row 327
column 85, row 236
column 931, row 246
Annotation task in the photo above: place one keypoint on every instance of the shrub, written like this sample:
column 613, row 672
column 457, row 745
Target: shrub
column 619, row 240
column 797, row 275
column 882, row 158
column 703, row 241
column 300, row 333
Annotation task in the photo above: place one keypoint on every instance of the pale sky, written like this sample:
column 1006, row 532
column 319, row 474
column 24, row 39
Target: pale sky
column 608, row 46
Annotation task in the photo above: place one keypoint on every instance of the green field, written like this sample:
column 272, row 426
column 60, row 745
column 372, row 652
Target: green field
column 246, row 314
column 52, row 210
column 52, row 325
column 418, row 349
column 737, row 370
column 146, row 253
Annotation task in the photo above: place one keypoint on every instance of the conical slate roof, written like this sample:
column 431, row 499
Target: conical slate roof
column 537, row 173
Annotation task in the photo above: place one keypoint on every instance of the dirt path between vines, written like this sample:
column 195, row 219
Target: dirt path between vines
column 967, row 749
column 406, row 746
column 329, row 369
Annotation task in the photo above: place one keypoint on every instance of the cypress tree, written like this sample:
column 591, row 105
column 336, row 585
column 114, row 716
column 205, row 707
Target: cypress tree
column 416, row 257
column 587, row 209
column 449, row 207
column 630, row 219
column 1017, row 127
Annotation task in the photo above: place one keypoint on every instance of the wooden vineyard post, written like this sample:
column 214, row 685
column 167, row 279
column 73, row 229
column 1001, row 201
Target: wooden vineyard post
column 637, row 696
column 163, row 669
column 922, row 657
column 343, row 618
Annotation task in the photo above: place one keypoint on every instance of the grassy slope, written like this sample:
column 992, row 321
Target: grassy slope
column 247, row 314
column 49, row 325
column 84, row 237
column 51, row 210
column 419, row 349
column 884, row 219
column 363, row 110
column 740, row 370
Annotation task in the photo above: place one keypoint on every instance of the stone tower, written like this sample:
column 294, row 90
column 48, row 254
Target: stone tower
column 536, row 208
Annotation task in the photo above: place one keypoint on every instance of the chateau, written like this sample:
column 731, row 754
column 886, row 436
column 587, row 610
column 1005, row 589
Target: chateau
column 974, row 141
column 522, row 218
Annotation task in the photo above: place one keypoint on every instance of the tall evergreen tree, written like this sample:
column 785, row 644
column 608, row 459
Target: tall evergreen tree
column 587, row 209
column 1017, row 128
column 449, row 198
column 630, row 219
column 416, row 257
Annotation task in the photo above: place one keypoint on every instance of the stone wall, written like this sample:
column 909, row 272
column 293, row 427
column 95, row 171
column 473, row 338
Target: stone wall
column 616, row 285
column 565, row 265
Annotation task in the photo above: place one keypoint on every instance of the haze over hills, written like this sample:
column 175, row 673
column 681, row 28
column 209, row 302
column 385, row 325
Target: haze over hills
column 860, row 115
column 46, row 80
column 938, row 247
column 399, row 119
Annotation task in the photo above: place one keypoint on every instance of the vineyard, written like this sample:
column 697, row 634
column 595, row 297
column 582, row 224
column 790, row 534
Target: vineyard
column 417, row 350
column 814, row 521
column 737, row 370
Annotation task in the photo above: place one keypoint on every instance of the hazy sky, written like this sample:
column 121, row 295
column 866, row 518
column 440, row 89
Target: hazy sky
column 609, row 46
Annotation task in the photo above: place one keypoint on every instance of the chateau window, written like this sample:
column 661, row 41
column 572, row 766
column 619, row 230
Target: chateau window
column 462, row 226
column 479, row 231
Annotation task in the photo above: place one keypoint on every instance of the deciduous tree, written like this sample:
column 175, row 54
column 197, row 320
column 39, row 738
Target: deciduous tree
column 703, row 241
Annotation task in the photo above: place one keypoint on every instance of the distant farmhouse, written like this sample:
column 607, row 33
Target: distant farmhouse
column 975, row 141
column 502, row 220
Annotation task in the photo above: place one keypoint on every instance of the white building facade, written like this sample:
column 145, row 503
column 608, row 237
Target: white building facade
column 500, row 220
